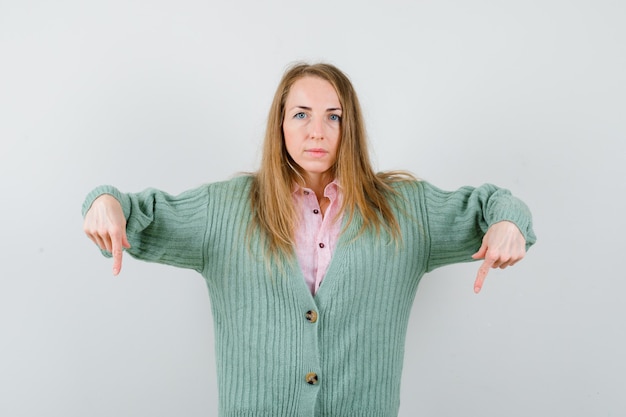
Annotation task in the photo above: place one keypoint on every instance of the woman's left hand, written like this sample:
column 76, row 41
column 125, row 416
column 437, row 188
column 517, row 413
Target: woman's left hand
column 503, row 245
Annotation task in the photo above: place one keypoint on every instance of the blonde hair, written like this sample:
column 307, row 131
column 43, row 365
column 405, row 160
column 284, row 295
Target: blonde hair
column 364, row 191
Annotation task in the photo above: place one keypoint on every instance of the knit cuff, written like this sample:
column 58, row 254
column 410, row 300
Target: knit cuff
column 110, row 190
column 518, row 213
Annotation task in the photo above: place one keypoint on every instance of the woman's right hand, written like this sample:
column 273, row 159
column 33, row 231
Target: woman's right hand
column 105, row 225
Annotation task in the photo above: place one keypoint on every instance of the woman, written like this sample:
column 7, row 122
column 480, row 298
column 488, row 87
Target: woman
column 312, row 263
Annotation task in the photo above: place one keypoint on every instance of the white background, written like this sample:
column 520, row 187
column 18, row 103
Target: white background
column 529, row 95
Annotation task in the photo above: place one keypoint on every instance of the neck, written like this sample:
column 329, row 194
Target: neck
column 318, row 183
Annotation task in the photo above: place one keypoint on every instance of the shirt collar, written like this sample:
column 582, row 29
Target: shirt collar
column 331, row 190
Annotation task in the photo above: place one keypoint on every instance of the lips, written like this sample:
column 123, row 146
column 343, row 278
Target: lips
column 316, row 152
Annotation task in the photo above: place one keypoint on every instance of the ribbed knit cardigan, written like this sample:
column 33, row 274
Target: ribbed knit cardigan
column 280, row 350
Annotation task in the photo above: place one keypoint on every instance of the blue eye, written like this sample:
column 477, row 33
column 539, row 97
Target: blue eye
column 300, row 115
column 335, row 117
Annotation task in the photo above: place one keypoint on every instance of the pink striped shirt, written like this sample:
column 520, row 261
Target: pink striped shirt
column 316, row 235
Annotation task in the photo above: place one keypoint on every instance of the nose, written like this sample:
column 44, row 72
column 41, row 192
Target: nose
column 316, row 128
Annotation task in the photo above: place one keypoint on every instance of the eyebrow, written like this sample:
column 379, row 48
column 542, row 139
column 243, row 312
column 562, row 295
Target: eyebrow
column 309, row 108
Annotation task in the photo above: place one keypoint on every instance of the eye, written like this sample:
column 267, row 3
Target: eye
column 300, row 115
column 335, row 117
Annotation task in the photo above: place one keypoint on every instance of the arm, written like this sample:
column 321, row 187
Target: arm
column 486, row 222
column 151, row 225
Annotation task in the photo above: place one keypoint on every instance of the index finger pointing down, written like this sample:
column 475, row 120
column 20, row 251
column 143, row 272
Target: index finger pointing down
column 482, row 274
column 117, row 256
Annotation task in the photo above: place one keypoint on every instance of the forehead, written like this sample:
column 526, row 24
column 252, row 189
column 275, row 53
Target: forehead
column 310, row 90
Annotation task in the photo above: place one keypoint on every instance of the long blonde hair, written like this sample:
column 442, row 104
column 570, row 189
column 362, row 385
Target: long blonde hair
column 364, row 191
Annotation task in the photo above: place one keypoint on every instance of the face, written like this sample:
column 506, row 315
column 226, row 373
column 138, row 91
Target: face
column 312, row 127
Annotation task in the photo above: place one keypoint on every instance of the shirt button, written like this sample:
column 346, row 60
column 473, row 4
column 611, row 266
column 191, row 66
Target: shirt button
column 316, row 211
column 311, row 316
column 322, row 245
column 311, row 378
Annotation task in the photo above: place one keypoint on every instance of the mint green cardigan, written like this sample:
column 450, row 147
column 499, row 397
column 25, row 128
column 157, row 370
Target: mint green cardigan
column 280, row 350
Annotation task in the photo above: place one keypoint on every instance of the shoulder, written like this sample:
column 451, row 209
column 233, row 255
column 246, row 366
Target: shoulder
column 408, row 187
column 230, row 192
column 425, row 189
column 239, row 183
column 422, row 193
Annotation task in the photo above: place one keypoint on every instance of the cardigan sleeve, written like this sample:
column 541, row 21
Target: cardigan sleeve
column 458, row 220
column 160, row 227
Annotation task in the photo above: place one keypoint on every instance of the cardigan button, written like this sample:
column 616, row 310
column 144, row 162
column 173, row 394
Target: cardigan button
column 311, row 378
column 311, row 316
